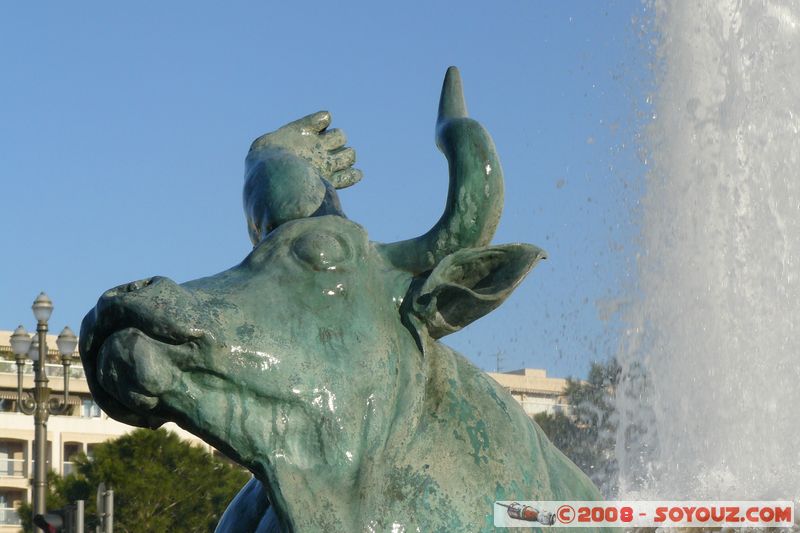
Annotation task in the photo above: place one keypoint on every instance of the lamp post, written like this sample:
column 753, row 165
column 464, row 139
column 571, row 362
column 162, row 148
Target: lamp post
column 38, row 403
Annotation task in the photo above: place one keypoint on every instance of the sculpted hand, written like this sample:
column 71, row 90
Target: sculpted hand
column 310, row 139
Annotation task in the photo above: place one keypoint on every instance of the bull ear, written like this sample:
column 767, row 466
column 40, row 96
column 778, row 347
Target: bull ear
column 470, row 283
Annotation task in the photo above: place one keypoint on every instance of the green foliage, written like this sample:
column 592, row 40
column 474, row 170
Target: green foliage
column 587, row 434
column 160, row 483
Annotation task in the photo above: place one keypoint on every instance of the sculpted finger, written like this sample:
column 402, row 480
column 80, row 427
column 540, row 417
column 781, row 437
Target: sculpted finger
column 314, row 122
column 346, row 178
column 320, row 120
column 342, row 159
column 333, row 139
column 262, row 141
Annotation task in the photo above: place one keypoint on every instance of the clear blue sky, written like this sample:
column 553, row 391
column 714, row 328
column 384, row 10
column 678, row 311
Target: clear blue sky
column 125, row 125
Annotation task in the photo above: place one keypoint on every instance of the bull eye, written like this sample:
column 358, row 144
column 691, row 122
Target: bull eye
column 321, row 250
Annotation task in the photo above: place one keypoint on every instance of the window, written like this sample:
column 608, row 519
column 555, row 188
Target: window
column 71, row 449
column 90, row 451
column 12, row 458
column 7, row 406
column 89, row 409
column 10, row 499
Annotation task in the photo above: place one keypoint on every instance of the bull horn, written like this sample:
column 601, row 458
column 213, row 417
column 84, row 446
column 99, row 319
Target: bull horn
column 475, row 195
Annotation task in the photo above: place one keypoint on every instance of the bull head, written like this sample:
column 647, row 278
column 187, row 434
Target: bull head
column 314, row 363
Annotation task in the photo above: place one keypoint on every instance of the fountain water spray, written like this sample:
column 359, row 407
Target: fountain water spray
column 709, row 405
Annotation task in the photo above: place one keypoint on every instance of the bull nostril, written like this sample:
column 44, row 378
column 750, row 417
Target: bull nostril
column 136, row 285
column 130, row 287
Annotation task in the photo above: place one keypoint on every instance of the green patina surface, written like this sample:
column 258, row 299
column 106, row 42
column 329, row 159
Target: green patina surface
column 315, row 361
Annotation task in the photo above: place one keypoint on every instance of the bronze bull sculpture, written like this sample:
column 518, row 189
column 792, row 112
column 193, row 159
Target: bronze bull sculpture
column 315, row 363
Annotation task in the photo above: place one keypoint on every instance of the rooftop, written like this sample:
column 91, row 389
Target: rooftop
column 533, row 380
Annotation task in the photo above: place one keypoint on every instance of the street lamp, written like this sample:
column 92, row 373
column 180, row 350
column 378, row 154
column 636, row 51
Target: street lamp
column 38, row 403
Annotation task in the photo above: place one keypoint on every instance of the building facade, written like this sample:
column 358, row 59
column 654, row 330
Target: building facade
column 534, row 390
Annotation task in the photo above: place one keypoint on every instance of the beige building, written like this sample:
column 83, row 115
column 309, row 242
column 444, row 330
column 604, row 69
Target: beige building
column 87, row 425
column 534, row 390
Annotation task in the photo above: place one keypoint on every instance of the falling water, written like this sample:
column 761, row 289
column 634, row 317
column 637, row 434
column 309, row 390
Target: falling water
column 710, row 403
